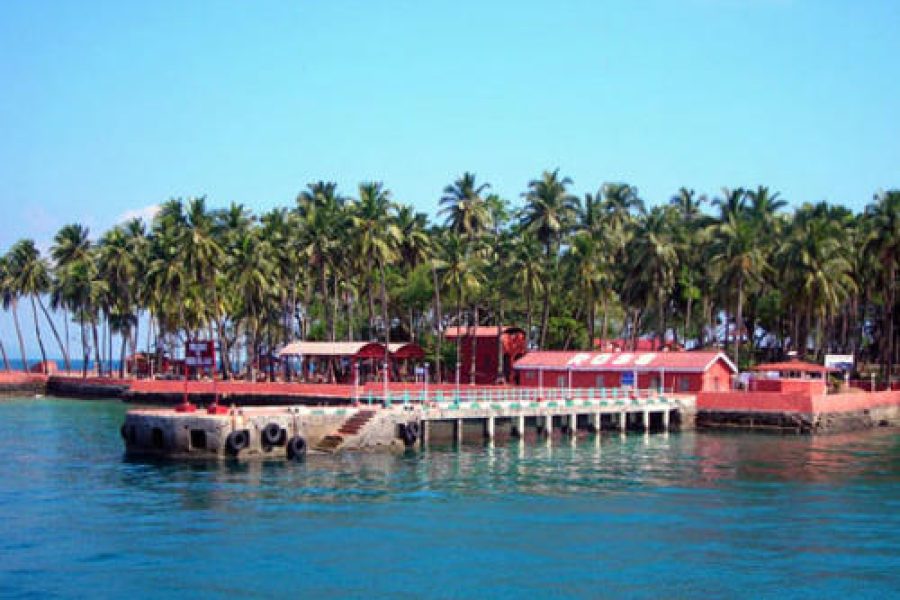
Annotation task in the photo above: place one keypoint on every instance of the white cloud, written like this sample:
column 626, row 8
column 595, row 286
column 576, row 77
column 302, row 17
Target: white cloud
column 146, row 214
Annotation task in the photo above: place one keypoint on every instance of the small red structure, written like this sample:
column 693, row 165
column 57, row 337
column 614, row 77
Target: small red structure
column 678, row 371
column 640, row 345
column 791, row 376
column 514, row 345
column 47, row 367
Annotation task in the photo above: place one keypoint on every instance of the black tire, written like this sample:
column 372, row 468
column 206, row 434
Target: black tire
column 237, row 441
column 296, row 448
column 273, row 435
column 408, row 435
column 413, row 428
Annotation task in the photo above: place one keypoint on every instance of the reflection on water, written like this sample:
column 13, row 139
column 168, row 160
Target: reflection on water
column 715, row 514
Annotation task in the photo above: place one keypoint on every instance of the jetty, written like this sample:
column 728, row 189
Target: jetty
column 399, row 422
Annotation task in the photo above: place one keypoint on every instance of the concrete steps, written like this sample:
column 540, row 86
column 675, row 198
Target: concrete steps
column 352, row 426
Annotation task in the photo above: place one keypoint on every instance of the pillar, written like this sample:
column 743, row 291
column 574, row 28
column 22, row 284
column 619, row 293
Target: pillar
column 489, row 430
column 646, row 420
column 573, row 424
column 548, row 424
column 596, row 421
column 623, row 423
column 665, row 419
column 459, row 431
column 520, row 426
column 426, row 433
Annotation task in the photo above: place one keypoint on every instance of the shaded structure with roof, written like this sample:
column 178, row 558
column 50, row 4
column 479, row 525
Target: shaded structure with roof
column 481, row 343
column 677, row 371
column 335, row 362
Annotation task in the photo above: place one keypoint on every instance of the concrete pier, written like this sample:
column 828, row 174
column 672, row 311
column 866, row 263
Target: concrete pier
column 279, row 432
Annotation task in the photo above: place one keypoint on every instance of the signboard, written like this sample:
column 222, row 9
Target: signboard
column 844, row 362
column 628, row 378
column 200, row 354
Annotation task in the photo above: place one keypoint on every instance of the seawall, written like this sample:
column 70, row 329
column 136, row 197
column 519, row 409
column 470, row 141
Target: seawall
column 798, row 412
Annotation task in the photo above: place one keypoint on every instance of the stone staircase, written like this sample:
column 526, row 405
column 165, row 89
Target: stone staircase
column 352, row 426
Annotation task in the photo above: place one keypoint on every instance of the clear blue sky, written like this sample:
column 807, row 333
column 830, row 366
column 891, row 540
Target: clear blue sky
column 110, row 107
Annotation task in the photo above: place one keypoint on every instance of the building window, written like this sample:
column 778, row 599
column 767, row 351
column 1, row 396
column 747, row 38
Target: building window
column 715, row 384
column 654, row 383
column 684, row 384
column 561, row 381
column 600, row 382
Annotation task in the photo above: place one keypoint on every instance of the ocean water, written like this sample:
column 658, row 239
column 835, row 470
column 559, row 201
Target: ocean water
column 679, row 515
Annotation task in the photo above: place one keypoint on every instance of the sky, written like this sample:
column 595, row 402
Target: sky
column 109, row 108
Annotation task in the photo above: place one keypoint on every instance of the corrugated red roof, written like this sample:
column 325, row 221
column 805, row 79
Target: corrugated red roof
column 623, row 361
column 480, row 331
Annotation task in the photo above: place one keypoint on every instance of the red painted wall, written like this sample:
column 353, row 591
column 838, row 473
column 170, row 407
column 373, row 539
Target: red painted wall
column 794, row 401
column 486, row 361
column 717, row 375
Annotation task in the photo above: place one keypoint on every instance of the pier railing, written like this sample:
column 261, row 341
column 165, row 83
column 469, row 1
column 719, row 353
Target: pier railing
column 553, row 397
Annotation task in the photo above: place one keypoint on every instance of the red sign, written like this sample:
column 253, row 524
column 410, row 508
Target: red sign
column 200, row 354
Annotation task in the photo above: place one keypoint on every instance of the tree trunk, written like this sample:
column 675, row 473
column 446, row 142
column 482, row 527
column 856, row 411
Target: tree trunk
column 85, row 351
column 459, row 334
column 438, row 322
column 37, row 333
column 545, row 313
column 122, row 357
column 737, row 324
column 99, row 365
column 387, row 324
column 62, row 347
column 591, row 317
column 473, row 372
column 3, row 354
column 15, row 311
column 528, row 320
column 889, row 321
column 501, row 372
column 324, row 283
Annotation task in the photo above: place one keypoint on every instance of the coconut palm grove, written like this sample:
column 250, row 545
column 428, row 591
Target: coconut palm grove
column 740, row 270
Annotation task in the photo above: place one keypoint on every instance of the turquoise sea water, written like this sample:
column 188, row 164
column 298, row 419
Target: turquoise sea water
column 683, row 515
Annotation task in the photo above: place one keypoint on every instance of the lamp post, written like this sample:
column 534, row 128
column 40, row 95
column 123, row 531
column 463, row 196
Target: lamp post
column 425, row 380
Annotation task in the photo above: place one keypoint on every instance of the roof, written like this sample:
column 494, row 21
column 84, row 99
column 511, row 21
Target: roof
column 358, row 349
column 642, row 344
column 352, row 349
column 406, row 350
column 480, row 331
column 796, row 366
column 623, row 361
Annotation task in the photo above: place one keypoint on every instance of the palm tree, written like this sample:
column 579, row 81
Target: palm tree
column 29, row 277
column 11, row 296
column 549, row 212
column 70, row 245
column 739, row 261
column 817, row 267
column 883, row 244
column 377, row 238
column 653, row 260
column 464, row 208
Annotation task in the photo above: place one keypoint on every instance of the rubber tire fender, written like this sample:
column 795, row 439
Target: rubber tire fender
column 237, row 440
column 296, row 448
column 413, row 428
column 273, row 435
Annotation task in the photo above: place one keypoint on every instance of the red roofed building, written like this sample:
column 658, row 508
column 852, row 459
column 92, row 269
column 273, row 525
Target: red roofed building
column 678, row 371
column 514, row 346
